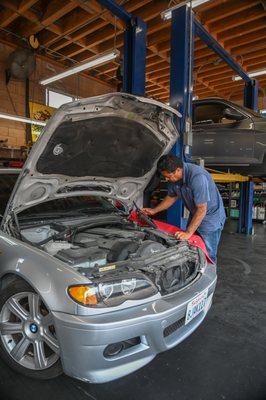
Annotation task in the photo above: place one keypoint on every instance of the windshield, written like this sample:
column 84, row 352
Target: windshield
column 70, row 206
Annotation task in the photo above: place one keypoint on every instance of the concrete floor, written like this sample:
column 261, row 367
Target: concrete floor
column 224, row 359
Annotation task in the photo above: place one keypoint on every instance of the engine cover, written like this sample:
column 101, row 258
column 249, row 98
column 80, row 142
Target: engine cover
column 80, row 257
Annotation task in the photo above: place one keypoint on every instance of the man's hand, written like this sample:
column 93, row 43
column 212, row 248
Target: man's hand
column 183, row 235
column 148, row 211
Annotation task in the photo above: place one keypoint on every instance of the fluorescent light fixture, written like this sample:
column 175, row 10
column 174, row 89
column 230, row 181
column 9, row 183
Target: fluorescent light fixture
column 250, row 74
column 22, row 119
column 167, row 14
column 93, row 62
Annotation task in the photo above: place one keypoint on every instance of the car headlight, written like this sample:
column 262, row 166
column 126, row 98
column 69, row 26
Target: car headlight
column 112, row 292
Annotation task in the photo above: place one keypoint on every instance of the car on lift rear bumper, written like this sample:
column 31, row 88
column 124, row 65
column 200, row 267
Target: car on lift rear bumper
column 108, row 346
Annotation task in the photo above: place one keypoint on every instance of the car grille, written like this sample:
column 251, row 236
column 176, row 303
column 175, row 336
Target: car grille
column 173, row 327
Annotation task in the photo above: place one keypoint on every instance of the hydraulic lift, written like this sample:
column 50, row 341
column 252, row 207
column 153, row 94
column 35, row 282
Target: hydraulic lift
column 184, row 27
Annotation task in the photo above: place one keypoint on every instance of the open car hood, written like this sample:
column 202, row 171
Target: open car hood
column 106, row 145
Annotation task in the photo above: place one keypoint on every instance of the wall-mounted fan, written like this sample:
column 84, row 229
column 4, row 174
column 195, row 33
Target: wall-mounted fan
column 20, row 64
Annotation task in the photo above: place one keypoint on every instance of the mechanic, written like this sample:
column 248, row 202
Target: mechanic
column 195, row 186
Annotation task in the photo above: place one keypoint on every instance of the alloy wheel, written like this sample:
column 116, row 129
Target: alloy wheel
column 27, row 331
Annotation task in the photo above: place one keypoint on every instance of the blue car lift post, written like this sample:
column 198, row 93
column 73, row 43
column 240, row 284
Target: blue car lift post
column 134, row 64
column 184, row 26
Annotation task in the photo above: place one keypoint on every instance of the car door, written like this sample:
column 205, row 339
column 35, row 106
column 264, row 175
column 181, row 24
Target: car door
column 222, row 134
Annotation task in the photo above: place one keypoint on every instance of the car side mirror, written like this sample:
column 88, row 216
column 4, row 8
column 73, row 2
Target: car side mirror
column 229, row 113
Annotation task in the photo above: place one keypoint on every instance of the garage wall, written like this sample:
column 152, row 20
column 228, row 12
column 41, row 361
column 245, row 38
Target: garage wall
column 12, row 96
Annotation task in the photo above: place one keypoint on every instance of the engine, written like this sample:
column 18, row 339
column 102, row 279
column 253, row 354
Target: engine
column 96, row 246
column 96, row 250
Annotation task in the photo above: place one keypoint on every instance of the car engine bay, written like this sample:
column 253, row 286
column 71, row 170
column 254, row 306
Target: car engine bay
column 113, row 245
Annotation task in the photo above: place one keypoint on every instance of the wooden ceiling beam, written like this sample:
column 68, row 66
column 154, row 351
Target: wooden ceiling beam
column 104, row 15
column 79, row 35
column 94, row 39
column 248, row 48
column 93, row 7
column 149, row 66
column 217, row 70
column 75, row 20
column 14, row 10
column 163, row 71
column 155, row 25
column 157, row 66
column 240, row 89
column 84, row 56
column 223, row 11
column 252, row 66
column 7, row 17
column 246, row 38
column 79, row 43
column 25, row 5
column 163, row 46
column 162, row 35
column 33, row 24
column 164, row 67
column 231, row 84
column 71, row 27
column 157, row 90
column 149, row 12
column 89, row 29
column 238, row 31
column 57, row 9
column 243, row 17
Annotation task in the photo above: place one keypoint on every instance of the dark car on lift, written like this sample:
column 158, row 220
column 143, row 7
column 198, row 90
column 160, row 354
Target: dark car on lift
column 229, row 137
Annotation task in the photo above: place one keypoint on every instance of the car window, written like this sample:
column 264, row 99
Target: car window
column 210, row 113
column 7, row 183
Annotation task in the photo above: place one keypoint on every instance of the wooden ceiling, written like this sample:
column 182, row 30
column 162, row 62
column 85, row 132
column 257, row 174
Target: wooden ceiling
column 71, row 31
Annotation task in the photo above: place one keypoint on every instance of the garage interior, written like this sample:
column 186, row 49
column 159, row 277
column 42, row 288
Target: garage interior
column 219, row 54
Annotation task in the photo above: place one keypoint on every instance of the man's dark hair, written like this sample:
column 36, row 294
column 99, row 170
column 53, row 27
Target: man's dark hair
column 169, row 163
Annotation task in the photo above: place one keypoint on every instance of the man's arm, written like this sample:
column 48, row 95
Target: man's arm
column 200, row 213
column 167, row 202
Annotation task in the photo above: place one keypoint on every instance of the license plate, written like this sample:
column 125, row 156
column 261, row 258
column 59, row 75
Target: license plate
column 196, row 305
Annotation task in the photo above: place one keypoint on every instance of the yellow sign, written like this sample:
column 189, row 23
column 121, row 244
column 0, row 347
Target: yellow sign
column 41, row 113
column 107, row 268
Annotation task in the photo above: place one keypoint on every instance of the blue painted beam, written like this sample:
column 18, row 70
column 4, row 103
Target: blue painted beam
column 134, row 65
column 181, row 67
column 117, row 10
column 251, row 92
column 215, row 46
column 245, row 208
column 182, row 54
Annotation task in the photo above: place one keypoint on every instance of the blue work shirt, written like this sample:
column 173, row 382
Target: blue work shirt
column 197, row 187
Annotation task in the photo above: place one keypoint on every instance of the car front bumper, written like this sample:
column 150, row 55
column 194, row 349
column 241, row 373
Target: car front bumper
column 158, row 325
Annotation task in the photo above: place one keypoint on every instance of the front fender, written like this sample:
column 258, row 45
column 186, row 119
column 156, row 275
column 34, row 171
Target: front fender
column 47, row 275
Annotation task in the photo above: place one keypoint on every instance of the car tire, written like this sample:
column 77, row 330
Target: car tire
column 28, row 342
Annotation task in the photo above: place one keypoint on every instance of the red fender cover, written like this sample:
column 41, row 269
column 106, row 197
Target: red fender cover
column 195, row 240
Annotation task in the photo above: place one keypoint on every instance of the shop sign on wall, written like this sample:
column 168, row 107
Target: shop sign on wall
column 39, row 112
